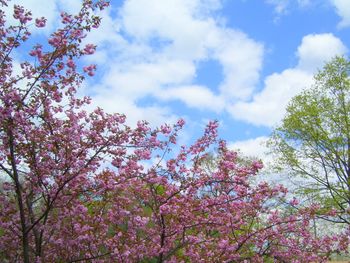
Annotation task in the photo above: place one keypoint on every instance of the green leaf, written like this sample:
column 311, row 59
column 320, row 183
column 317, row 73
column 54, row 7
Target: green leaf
column 147, row 211
column 160, row 189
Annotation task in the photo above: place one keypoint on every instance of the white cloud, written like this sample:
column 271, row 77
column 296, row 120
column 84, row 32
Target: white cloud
column 343, row 10
column 194, row 96
column 146, row 18
column 172, row 21
column 241, row 59
column 283, row 7
column 154, row 114
column 268, row 106
column 316, row 49
column 69, row 6
column 185, row 36
column 137, row 80
column 280, row 5
column 255, row 147
column 152, row 48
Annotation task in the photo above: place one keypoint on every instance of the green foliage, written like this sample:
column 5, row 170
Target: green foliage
column 160, row 189
column 112, row 229
column 313, row 141
column 148, row 211
column 215, row 233
column 149, row 260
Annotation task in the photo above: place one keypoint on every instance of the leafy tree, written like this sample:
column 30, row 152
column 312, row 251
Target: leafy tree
column 58, row 204
column 313, row 140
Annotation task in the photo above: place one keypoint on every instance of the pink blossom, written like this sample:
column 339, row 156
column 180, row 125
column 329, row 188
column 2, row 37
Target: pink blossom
column 66, row 19
column 40, row 22
column 89, row 49
column 294, row 201
column 22, row 15
column 90, row 70
column 70, row 63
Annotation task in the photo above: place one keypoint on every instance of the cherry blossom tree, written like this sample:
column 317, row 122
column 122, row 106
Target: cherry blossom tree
column 82, row 186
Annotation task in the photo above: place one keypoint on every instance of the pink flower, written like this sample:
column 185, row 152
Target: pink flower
column 294, row 202
column 55, row 41
column 258, row 165
column 40, row 22
column 89, row 49
column 20, row 14
column 165, row 129
column 36, row 52
column 90, row 70
column 70, row 63
column 66, row 19
column 181, row 122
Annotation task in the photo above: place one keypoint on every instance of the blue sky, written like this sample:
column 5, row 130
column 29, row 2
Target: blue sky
column 237, row 61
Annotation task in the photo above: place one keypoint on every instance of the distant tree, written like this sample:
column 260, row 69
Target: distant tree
column 313, row 141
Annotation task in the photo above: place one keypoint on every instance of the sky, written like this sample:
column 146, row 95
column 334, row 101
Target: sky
column 236, row 61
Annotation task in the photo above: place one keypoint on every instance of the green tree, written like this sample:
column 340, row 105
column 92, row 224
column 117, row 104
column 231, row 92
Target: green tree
column 313, row 140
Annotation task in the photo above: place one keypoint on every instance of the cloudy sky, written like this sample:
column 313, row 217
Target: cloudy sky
column 237, row 61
